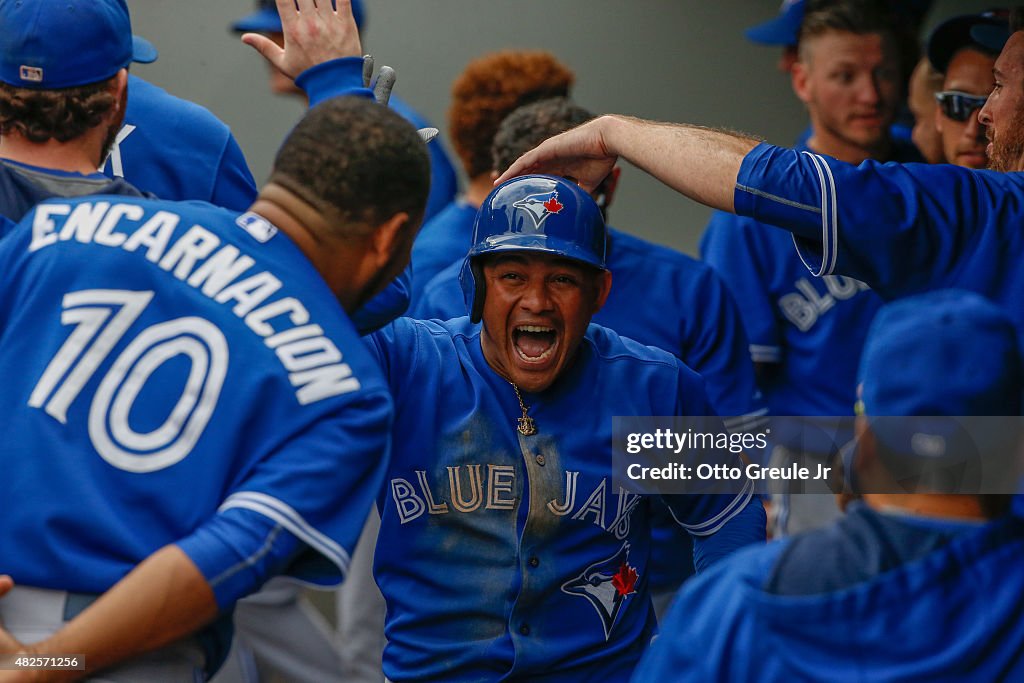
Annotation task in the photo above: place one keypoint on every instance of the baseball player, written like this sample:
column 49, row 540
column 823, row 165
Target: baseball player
column 266, row 20
column 127, row 325
column 61, row 102
column 966, row 66
column 806, row 333
column 504, row 550
column 925, row 81
column 925, row 585
column 489, row 89
column 697, row 321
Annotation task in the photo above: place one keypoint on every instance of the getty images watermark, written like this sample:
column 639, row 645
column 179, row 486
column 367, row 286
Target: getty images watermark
column 676, row 455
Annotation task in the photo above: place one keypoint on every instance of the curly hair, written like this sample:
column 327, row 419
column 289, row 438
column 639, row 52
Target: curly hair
column 489, row 89
column 62, row 115
column 356, row 162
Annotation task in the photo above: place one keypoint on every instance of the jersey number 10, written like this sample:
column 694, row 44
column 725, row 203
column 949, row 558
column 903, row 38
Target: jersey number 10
column 102, row 318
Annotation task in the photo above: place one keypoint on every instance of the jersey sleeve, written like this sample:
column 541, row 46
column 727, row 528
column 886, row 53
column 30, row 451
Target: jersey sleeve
column 899, row 228
column 319, row 483
column 730, row 246
column 336, row 77
column 386, row 306
column 442, row 297
column 702, row 515
column 234, row 187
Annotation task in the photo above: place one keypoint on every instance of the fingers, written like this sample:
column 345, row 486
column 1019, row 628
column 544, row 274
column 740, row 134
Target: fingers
column 367, row 70
column 266, row 47
column 6, row 584
column 521, row 166
column 385, row 83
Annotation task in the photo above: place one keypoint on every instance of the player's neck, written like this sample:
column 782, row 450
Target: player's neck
column 478, row 190
column 824, row 142
column 937, row 505
column 80, row 155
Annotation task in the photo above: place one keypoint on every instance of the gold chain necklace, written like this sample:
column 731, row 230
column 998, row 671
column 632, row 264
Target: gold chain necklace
column 527, row 427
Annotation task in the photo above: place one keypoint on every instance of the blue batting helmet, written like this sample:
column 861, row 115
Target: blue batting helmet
column 533, row 213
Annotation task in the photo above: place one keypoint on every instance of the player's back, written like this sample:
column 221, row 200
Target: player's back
column 154, row 355
column 178, row 150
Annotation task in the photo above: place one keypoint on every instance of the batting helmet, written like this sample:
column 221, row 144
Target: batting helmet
column 533, row 213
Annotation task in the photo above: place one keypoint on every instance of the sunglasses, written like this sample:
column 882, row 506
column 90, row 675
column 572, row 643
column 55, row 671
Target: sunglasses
column 959, row 106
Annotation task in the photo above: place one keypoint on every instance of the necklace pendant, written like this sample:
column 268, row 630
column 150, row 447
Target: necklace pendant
column 527, row 427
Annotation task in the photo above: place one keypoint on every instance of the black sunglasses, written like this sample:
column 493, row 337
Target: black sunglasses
column 959, row 106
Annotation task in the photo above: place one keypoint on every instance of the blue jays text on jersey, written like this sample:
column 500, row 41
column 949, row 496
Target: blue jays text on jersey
column 150, row 348
column 508, row 555
column 812, row 331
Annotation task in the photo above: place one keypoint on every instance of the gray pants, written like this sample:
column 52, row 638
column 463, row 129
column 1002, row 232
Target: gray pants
column 33, row 614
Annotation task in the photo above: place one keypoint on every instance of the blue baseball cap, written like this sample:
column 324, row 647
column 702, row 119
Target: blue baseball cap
column 947, row 352
column 956, row 33
column 784, row 29
column 53, row 44
column 265, row 18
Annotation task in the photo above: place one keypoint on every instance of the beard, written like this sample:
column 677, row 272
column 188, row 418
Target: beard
column 1008, row 148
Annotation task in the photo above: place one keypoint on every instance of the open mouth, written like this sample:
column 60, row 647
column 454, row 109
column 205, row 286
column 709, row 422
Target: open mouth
column 534, row 343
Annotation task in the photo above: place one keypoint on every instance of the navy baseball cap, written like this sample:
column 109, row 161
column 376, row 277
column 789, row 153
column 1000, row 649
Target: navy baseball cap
column 957, row 33
column 265, row 18
column 992, row 37
column 784, row 29
column 52, row 44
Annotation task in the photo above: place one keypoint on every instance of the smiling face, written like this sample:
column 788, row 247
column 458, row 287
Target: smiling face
column 535, row 313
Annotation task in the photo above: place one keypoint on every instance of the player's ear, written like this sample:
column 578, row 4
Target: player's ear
column 798, row 76
column 938, row 120
column 603, row 285
column 389, row 237
column 119, row 84
column 867, row 447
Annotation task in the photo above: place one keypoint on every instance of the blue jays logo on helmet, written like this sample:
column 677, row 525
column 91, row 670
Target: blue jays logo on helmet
column 606, row 585
column 535, row 213
column 539, row 207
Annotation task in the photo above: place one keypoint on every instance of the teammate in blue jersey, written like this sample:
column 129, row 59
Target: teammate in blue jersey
column 267, row 21
column 925, row 585
column 178, row 150
column 696, row 319
column 61, row 102
column 902, row 229
column 126, row 326
column 490, row 88
column 504, row 550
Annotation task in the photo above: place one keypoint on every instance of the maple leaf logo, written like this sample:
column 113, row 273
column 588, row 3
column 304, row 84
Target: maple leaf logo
column 553, row 205
column 625, row 580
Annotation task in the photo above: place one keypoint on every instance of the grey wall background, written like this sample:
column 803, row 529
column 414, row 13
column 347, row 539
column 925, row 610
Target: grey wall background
column 673, row 60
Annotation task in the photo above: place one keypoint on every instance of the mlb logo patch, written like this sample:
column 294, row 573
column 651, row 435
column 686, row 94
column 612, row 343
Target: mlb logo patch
column 257, row 226
column 32, row 74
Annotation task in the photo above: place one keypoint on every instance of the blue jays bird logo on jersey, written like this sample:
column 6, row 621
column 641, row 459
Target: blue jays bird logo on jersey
column 539, row 206
column 606, row 585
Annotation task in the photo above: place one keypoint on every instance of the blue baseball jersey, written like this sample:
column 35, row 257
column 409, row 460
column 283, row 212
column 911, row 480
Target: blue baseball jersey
column 884, row 604
column 178, row 150
column 901, row 228
column 510, row 556
column 443, row 241
column 178, row 373
column 810, row 331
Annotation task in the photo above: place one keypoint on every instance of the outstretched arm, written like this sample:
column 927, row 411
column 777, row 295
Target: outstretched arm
column 701, row 163
column 163, row 599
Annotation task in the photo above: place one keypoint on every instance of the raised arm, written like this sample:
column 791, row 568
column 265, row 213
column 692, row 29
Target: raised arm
column 701, row 163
